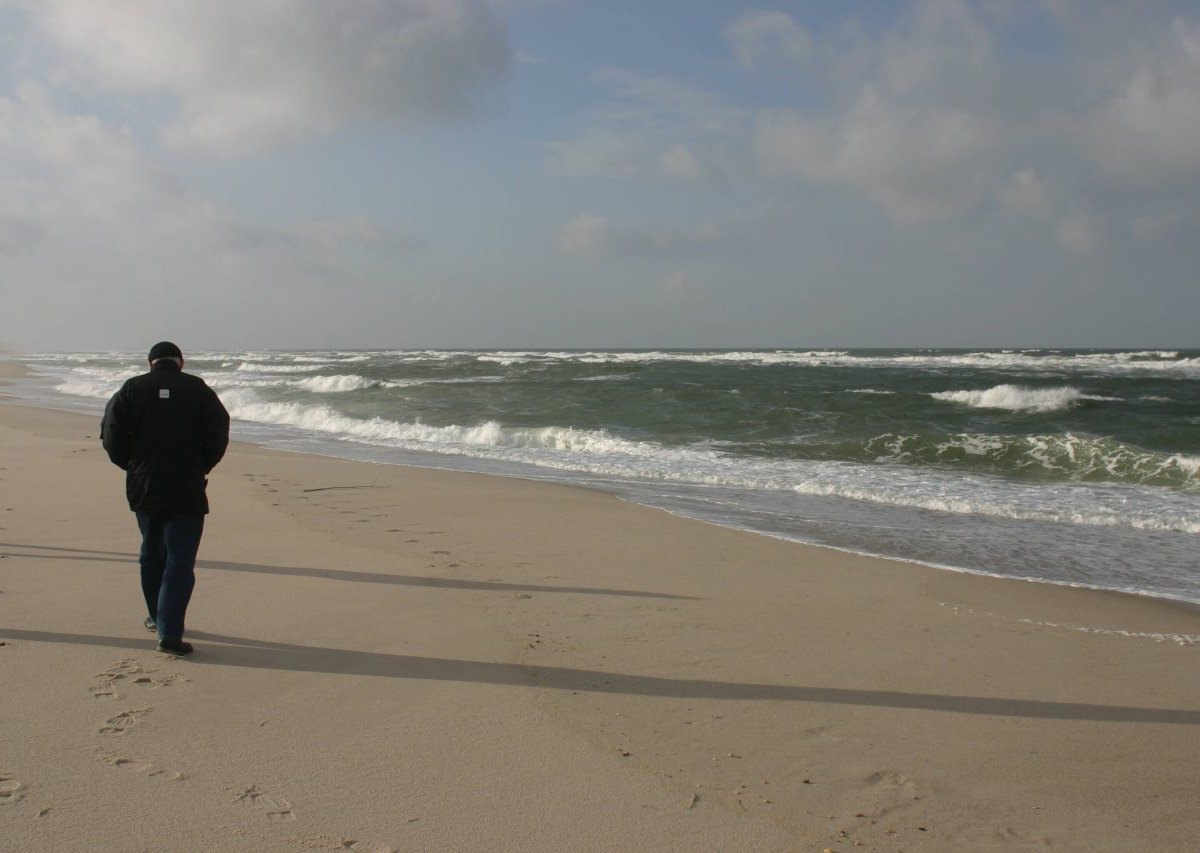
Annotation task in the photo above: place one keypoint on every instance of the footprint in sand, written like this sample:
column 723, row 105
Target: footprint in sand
column 10, row 789
column 123, row 763
column 122, row 722
column 889, row 780
column 122, row 668
column 130, row 671
column 105, row 690
column 338, row 843
column 106, row 682
column 154, row 683
column 274, row 807
column 889, row 791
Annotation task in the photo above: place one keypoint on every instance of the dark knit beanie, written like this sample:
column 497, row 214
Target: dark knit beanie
column 164, row 349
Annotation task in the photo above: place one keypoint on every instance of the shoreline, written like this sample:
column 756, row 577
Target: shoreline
column 422, row 659
column 16, row 369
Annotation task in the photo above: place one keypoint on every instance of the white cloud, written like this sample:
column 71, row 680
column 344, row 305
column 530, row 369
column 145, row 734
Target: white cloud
column 1077, row 232
column 1028, row 192
column 671, row 100
column 605, row 152
column 251, row 75
column 923, row 163
column 935, row 45
column 676, row 285
column 679, row 162
column 591, row 237
column 654, row 128
column 1031, row 195
column 78, row 196
column 932, row 121
column 585, row 236
column 355, row 231
column 908, row 137
column 759, row 35
column 1145, row 134
column 65, row 170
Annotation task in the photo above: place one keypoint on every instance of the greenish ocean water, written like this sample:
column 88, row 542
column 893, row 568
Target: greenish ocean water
column 1069, row 466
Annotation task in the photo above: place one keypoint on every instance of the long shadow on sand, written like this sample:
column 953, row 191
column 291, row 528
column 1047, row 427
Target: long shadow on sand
column 258, row 654
column 341, row 574
column 419, row 580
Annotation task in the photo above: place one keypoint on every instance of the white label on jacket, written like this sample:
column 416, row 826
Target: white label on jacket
column 164, row 393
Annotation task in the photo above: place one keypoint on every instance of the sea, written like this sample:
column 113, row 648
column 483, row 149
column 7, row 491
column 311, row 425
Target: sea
column 1075, row 467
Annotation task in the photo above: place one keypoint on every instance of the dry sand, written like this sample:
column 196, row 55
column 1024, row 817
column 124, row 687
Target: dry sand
column 400, row 659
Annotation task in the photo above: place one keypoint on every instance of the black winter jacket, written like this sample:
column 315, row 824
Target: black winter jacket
column 167, row 429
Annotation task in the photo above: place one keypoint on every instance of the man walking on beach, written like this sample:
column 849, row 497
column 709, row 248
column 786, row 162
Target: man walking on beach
column 166, row 429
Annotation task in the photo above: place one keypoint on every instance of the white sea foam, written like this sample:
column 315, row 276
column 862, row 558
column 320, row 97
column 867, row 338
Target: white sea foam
column 1029, row 506
column 1190, row 464
column 96, row 388
column 262, row 367
column 1018, row 398
column 1133, row 356
column 336, row 384
column 1178, row 639
column 416, row 435
column 248, row 381
column 91, row 382
column 1070, row 456
column 1036, row 361
column 466, row 380
column 1024, row 361
column 1017, row 361
column 601, row 453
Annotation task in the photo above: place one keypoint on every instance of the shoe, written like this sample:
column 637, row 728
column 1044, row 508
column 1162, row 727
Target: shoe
column 175, row 647
column 149, row 623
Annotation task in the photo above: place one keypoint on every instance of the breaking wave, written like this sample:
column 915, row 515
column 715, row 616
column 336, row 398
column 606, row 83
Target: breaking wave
column 601, row 453
column 1054, row 457
column 336, row 384
column 1017, row 398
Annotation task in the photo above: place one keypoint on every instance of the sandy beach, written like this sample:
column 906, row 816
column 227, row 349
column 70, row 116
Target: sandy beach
column 402, row 659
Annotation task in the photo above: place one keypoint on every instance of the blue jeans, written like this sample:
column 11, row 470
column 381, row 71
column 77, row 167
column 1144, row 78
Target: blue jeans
column 168, row 560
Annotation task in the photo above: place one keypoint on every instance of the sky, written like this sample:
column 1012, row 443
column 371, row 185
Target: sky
column 275, row 174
